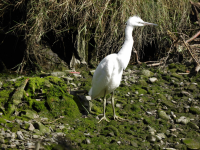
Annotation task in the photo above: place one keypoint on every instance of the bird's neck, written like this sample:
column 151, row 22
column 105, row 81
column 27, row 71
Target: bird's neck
column 125, row 53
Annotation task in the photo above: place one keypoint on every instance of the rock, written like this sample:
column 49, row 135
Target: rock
column 191, row 144
column 183, row 120
column 160, row 136
column 88, row 98
column 68, row 78
column 12, row 145
column 77, row 75
column 73, row 84
column 193, row 125
column 61, row 127
column 92, row 72
column 41, row 127
column 146, row 73
column 195, row 110
column 25, row 125
column 20, row 135
column 88, row 141
column 177, row 76
column 134, row 144
column 7, row 135
column 142, row 82
column 2, row 141
column 28, row 113
column 13, row 135
column 58, row 74
column 31, row 127
column 35, row 136
column 153, row 79
column 44, row 119
column 151, row 130
column 119, row 105
column 1, row 83
column 162, row 114
column 151, row 138
column 4, row 146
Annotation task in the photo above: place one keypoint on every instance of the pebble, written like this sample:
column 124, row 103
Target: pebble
column 31, row 127
column 88, row 141
column 183, row 120
column 35, row 136
column 153, row 79
column 20, row 135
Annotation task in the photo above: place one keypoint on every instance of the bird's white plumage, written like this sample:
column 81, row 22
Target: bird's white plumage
column 108, row 74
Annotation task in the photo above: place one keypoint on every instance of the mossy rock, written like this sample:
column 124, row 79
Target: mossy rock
column 43, row 129
column 162, row 114
column 142, row 83
column 146, row 73
column 195, row 110
column 193, row 88
column 168, row 103
column 136, row 107
column 70, row 107
column 109, row 129
column 177, row 76
column 191, row 144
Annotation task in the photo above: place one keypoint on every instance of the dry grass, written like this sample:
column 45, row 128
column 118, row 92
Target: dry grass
column 103, row 20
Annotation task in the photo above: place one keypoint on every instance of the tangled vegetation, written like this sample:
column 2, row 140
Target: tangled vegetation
column 94, row 28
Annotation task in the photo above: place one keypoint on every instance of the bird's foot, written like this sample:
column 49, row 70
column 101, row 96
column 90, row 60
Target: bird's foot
column 104, row 118
column 119, row 118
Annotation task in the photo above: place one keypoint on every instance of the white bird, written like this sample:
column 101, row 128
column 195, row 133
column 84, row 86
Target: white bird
column 108, row 74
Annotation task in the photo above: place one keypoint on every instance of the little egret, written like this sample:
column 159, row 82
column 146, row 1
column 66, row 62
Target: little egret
column 108, row 74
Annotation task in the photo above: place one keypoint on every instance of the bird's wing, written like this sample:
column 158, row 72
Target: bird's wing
column 102, row 76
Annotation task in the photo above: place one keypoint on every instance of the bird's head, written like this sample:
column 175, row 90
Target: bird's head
column 137, row 21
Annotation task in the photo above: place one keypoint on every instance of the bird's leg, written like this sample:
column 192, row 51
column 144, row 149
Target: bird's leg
column 90, row 108
column 113, row 106
column 104, row 109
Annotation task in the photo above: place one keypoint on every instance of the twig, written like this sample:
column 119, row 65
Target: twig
column 183, row 73
column 189, row 49
column 192, row 38
column 54, row 120
column 156, row 64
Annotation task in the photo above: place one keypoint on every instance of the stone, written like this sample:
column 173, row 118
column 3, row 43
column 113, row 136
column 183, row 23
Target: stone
column 35, row 136
column 20, row 135
column 147, row 73
column 28, row 113
column 183, row 120
column 160, row 136
column 88, row 141
column 58, row 74
column 92, row 72
column 195, row 110
column 151, row 138
column 191, row 144
column 153, row 79
column 119, row 105
column 77, row 75
column 41, row 127
column 162, row 114
column 31, row 127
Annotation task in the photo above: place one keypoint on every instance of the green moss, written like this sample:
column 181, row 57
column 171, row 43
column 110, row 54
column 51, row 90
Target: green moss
column 2, row 120
column 177, row 76
column 136, row 107
column 70, row 107
column 143, row 83
column 39, row 105
column 172, row 65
